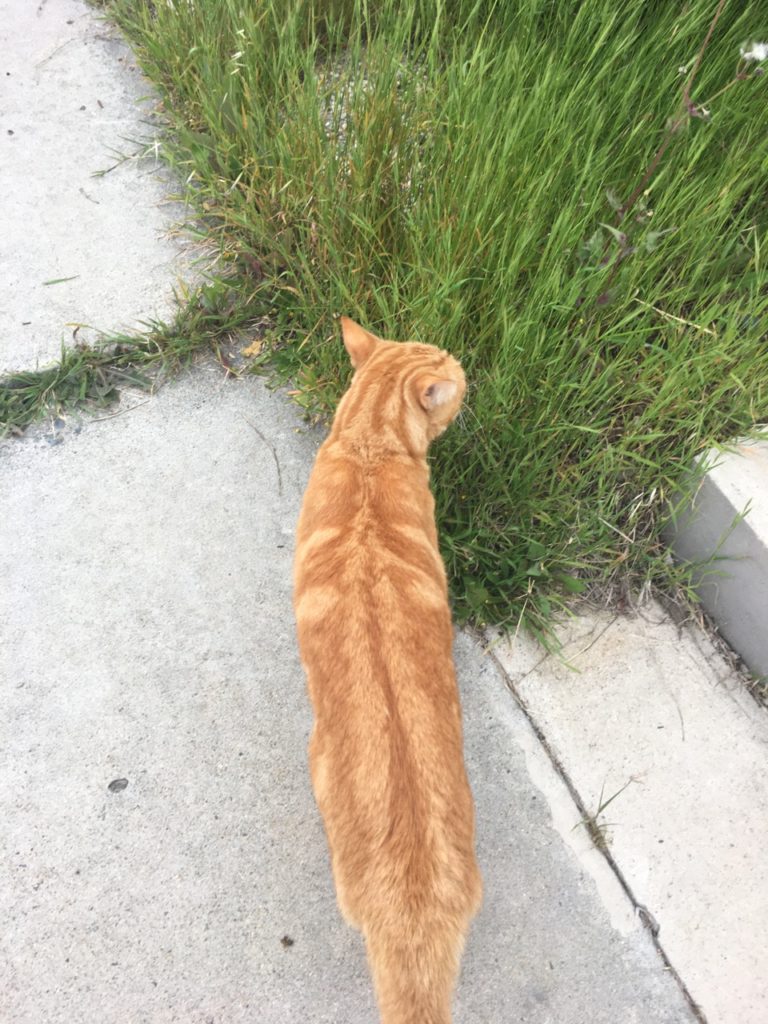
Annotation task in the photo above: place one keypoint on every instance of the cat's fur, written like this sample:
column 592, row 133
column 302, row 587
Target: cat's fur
column 375, row 639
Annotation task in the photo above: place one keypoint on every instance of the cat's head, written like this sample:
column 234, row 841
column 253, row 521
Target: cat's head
column 420, row 384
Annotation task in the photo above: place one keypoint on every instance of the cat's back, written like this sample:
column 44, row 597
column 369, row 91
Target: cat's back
column 367, row 555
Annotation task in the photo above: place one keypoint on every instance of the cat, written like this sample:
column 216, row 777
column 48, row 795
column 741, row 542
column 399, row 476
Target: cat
column 375, row 634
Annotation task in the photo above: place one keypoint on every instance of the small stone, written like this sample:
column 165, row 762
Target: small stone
column 117, row 785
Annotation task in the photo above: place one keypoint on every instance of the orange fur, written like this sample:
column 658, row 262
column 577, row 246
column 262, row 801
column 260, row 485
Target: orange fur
column 375, row 636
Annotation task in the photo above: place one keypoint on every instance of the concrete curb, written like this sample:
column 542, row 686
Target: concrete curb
column 712, row 528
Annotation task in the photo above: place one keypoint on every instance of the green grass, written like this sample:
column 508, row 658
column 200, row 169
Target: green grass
column 455, row 172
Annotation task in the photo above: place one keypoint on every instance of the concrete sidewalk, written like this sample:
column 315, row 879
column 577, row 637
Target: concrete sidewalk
column 148, row 636
column 76, row 246
column 163, row 857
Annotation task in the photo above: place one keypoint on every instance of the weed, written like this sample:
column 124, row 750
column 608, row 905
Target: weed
column 596, row 829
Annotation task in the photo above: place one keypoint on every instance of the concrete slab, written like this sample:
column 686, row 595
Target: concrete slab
column 656, row 707
column 70, row 99
column 148, row 637
column 734, row 588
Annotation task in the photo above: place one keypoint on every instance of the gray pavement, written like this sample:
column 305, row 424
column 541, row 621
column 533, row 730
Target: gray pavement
column 148, row 636
column 72, row 104
column 652, row 713
column 162, row 857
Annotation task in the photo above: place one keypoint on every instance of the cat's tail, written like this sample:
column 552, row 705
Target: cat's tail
column 414, row 966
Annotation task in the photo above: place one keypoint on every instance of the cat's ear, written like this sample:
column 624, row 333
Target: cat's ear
column 436, row 391
column 357, row 341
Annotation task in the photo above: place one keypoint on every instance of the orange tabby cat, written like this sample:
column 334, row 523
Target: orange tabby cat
column 375, row 638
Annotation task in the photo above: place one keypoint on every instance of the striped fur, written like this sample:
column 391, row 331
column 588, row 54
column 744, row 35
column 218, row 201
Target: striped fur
column 375, row 638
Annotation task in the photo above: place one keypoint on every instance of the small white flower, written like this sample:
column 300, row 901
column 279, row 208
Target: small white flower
column 757, row 51
column 682, row 70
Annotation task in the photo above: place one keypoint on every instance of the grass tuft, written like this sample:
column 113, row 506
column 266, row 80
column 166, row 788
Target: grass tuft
column 95, row 374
